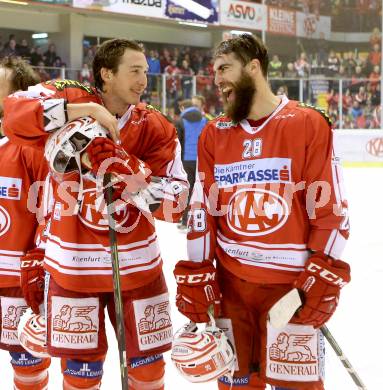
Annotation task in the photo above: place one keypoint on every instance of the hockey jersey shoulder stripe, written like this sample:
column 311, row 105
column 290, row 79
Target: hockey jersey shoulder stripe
column 318, row 110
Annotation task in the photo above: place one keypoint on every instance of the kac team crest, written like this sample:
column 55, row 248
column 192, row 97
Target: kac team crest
column 256, row 212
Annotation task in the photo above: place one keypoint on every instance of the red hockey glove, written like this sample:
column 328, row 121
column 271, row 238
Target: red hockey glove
column 130, row 172
column 32, row 278
column 320, row 284
column 197, row 289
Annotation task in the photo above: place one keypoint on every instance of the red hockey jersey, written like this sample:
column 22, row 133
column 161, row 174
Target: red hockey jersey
column 77, row 252
column 266, row 196
column 20, row 168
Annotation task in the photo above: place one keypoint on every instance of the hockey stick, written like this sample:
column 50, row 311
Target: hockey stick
column 346, row 363
column 121, row 340
column 283, row 310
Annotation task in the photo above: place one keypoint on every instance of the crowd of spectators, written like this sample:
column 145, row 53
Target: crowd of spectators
column 359, row 71
column 47, row 63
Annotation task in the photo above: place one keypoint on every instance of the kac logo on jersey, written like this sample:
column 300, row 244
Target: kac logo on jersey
column 256, row 212
column 93, row 212
column 10, row 188
column 5, row 221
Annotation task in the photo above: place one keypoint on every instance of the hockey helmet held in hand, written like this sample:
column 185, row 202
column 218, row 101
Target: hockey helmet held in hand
column 64, row 146
column 202, row 356
column 32, row 334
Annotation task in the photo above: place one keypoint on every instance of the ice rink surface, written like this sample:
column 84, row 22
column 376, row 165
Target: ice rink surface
column 356, row 325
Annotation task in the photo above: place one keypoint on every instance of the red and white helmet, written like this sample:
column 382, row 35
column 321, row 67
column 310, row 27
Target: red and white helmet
column 32, row 334
column 202, row 356
column 64, row 146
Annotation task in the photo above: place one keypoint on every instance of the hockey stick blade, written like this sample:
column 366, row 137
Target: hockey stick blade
column 283, row 310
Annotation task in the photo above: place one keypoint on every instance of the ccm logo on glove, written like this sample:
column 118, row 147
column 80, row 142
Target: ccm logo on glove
column 196, row 278
column 31, row 263
column 327, row 275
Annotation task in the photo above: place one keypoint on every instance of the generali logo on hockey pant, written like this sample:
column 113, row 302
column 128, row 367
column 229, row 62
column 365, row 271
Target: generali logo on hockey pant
column 5, row 221
column 74, row 322
column 375, row 147
column 153, row 322
column 94, row 214
column 256, row 212
column 11, row 311
column 292, row 354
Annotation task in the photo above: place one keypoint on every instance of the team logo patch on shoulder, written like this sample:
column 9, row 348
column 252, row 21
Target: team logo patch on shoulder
column 317, row 109
column 222, row 125
column 60, row 85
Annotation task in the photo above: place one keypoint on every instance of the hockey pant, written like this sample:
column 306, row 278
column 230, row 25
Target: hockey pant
column 144, row 373
column 30, row 373
column 244, row 312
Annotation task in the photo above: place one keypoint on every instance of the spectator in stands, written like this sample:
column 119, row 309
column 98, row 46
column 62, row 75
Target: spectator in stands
column 89, row 55
column 199, row 101
column 189, row 128
column 50, row 55
column 275, row 67
column 333, row 64
column 153, row 71
column 361, row 96
column 36, row 56
column 57, row 65
column 302, row 66
column 375, row 37
column 86, row 76
column 349, row 63
column 356, row 110
column 24, row 50
column 186, row 79
column 375, row 96
column 357, row 78
column 9, row 50
column 173, row 83
column 374, row 77
column 40, row 70
column 322, row 50
column 374, row 57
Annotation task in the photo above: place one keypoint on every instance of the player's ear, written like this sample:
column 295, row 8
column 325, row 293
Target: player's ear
column 254, row 66
column 105, row 74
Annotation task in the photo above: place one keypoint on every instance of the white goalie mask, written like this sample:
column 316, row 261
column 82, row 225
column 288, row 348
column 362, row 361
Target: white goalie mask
column 32, row 334
column 202, row 356
column 64, row 147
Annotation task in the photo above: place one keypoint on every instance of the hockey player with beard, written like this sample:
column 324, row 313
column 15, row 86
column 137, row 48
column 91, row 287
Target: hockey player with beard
column 268, row 207
column 20, row 168
column 77, row 255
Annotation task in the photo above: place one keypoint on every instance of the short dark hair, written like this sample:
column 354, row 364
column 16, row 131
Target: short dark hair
column 245, row 47
column 109, row 55
column 23, row 75
column 186, row 103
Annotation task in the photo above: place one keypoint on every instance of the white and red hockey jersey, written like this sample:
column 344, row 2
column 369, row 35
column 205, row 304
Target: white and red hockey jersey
column 77, row 252
column 21, row 168
column 266, row 196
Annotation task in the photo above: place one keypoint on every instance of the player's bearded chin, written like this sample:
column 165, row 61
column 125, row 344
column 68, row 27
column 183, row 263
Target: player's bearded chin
column 244, row 91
